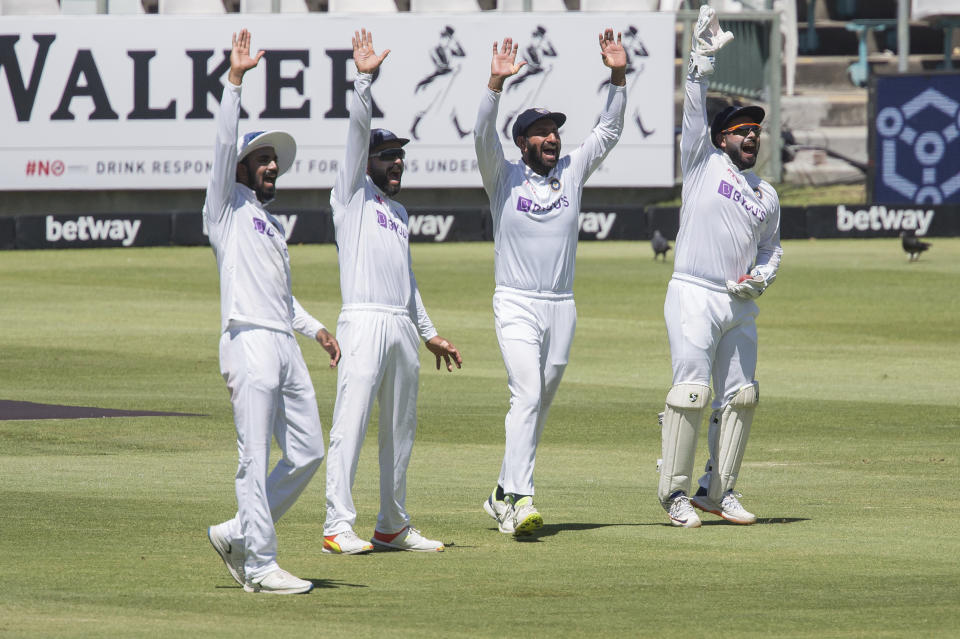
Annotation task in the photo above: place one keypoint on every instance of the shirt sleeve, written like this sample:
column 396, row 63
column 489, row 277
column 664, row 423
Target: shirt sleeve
column 487, row 142
column 223, row 174
column 350, row 176
column 305, row 323
column 769, row 250
column 695, row 142
column 588, row 157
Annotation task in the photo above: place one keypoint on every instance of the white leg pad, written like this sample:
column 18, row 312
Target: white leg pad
column 735, row 421
column 686, row 404
column 713, row 435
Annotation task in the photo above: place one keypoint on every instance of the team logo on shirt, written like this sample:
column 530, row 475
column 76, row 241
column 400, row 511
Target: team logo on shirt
column 728, row 191
column 555, row 184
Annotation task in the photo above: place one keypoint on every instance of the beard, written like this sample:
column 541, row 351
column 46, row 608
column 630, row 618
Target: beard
column 534, row 158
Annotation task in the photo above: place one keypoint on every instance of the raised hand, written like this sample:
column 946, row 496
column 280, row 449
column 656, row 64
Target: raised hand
column 364, row 56
column 240, row 59
column 504, row 63
column 612, row 50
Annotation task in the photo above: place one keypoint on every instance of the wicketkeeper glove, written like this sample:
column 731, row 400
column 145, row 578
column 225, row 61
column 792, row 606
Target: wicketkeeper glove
column 749, row 287
column 708, row 38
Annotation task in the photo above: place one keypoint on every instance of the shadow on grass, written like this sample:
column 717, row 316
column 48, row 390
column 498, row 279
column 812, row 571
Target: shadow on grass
column 549, row 530
column 333, row 583
column 317, row 583
column 761, row 521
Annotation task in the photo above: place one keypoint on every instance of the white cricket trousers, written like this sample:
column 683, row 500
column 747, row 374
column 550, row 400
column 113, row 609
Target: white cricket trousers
column 380, row 360
column 711, row 334
column 272, row 396
column 535, row 334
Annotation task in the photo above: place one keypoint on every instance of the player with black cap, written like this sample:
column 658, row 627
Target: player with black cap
column 535, row 204
column 727, row 253
column 380, row 326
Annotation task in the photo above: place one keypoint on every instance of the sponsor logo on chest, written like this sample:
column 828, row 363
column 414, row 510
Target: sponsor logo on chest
column 391, row 224
column 731, row 192
column 526, row 205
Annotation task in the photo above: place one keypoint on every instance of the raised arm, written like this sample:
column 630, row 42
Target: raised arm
column 486, row 140
column 354, row 168
column 224, row 172
column 695, row 142
column 606, row 134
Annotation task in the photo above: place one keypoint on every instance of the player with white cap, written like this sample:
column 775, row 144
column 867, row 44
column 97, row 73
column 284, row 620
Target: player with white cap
column 535, row 204
column 380, row 326
column 727, row 253
column 270, row 387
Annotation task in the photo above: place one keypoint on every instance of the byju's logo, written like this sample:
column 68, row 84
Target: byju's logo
column 262, row 227
column 917, row 140
column 524, row 204
column 726, row 189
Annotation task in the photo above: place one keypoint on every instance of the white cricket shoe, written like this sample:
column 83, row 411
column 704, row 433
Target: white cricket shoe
column 729, row 508
column 521, row 518
column 346, row 543
column 407, row 539
column 494, row 507
column 232, row 555
column 278, row 582
column 680, row 511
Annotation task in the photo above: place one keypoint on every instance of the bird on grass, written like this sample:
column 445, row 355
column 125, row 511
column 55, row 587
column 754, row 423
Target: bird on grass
column 660, row 245
column 913, row 245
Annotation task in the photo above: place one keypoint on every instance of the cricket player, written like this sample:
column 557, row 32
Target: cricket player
column 535, row 204
column 727, row 253
column 380, row 325
column 270, row 388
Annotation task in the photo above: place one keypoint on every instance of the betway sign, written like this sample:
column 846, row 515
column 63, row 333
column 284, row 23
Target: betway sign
column 129, row 102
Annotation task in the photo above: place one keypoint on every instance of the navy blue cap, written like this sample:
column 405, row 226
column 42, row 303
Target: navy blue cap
column 528, row 117
column 380, row 137
column 721, row 119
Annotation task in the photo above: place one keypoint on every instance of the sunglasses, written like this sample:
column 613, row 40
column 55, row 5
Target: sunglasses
column 744, row 129
column 389, row 155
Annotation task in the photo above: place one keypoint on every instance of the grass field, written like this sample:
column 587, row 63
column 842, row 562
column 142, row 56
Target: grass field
column 852, row 465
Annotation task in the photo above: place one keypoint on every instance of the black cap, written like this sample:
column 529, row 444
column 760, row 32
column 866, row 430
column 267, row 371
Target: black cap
column 379, row 137
column 721, row 119
column 528, row 117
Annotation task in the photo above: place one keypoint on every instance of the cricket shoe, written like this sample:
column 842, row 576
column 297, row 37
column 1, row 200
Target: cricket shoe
column 729, row 507
column 680, row 511
column 346, row 543
column 494, row 507
column 407, row 539
column 231, row 554
column 278, row 582
column 521, row 518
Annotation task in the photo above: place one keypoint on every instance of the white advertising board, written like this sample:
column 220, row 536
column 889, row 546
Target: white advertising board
column 117, row 102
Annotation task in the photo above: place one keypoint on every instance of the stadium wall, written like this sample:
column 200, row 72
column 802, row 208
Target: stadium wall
column 461, row 224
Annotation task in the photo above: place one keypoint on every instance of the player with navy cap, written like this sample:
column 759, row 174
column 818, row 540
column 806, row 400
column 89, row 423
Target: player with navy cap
column 535, row 204
column 727, row 253
column 380, row 327
column 270, row 387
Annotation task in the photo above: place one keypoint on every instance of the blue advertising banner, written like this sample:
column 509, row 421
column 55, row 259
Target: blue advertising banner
column 915, row 138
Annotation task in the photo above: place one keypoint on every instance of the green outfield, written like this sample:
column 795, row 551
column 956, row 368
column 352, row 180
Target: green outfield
column 852, row 466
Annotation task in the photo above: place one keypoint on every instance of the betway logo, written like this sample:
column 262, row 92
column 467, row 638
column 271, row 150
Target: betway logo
column 597, row 223
column 880, row 218
column 436, row 225
column 86, row 228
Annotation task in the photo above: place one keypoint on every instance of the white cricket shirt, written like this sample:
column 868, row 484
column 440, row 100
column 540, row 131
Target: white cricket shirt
column 371, row 229
column 729, row 219
column 248, row 242
column 535, row 217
